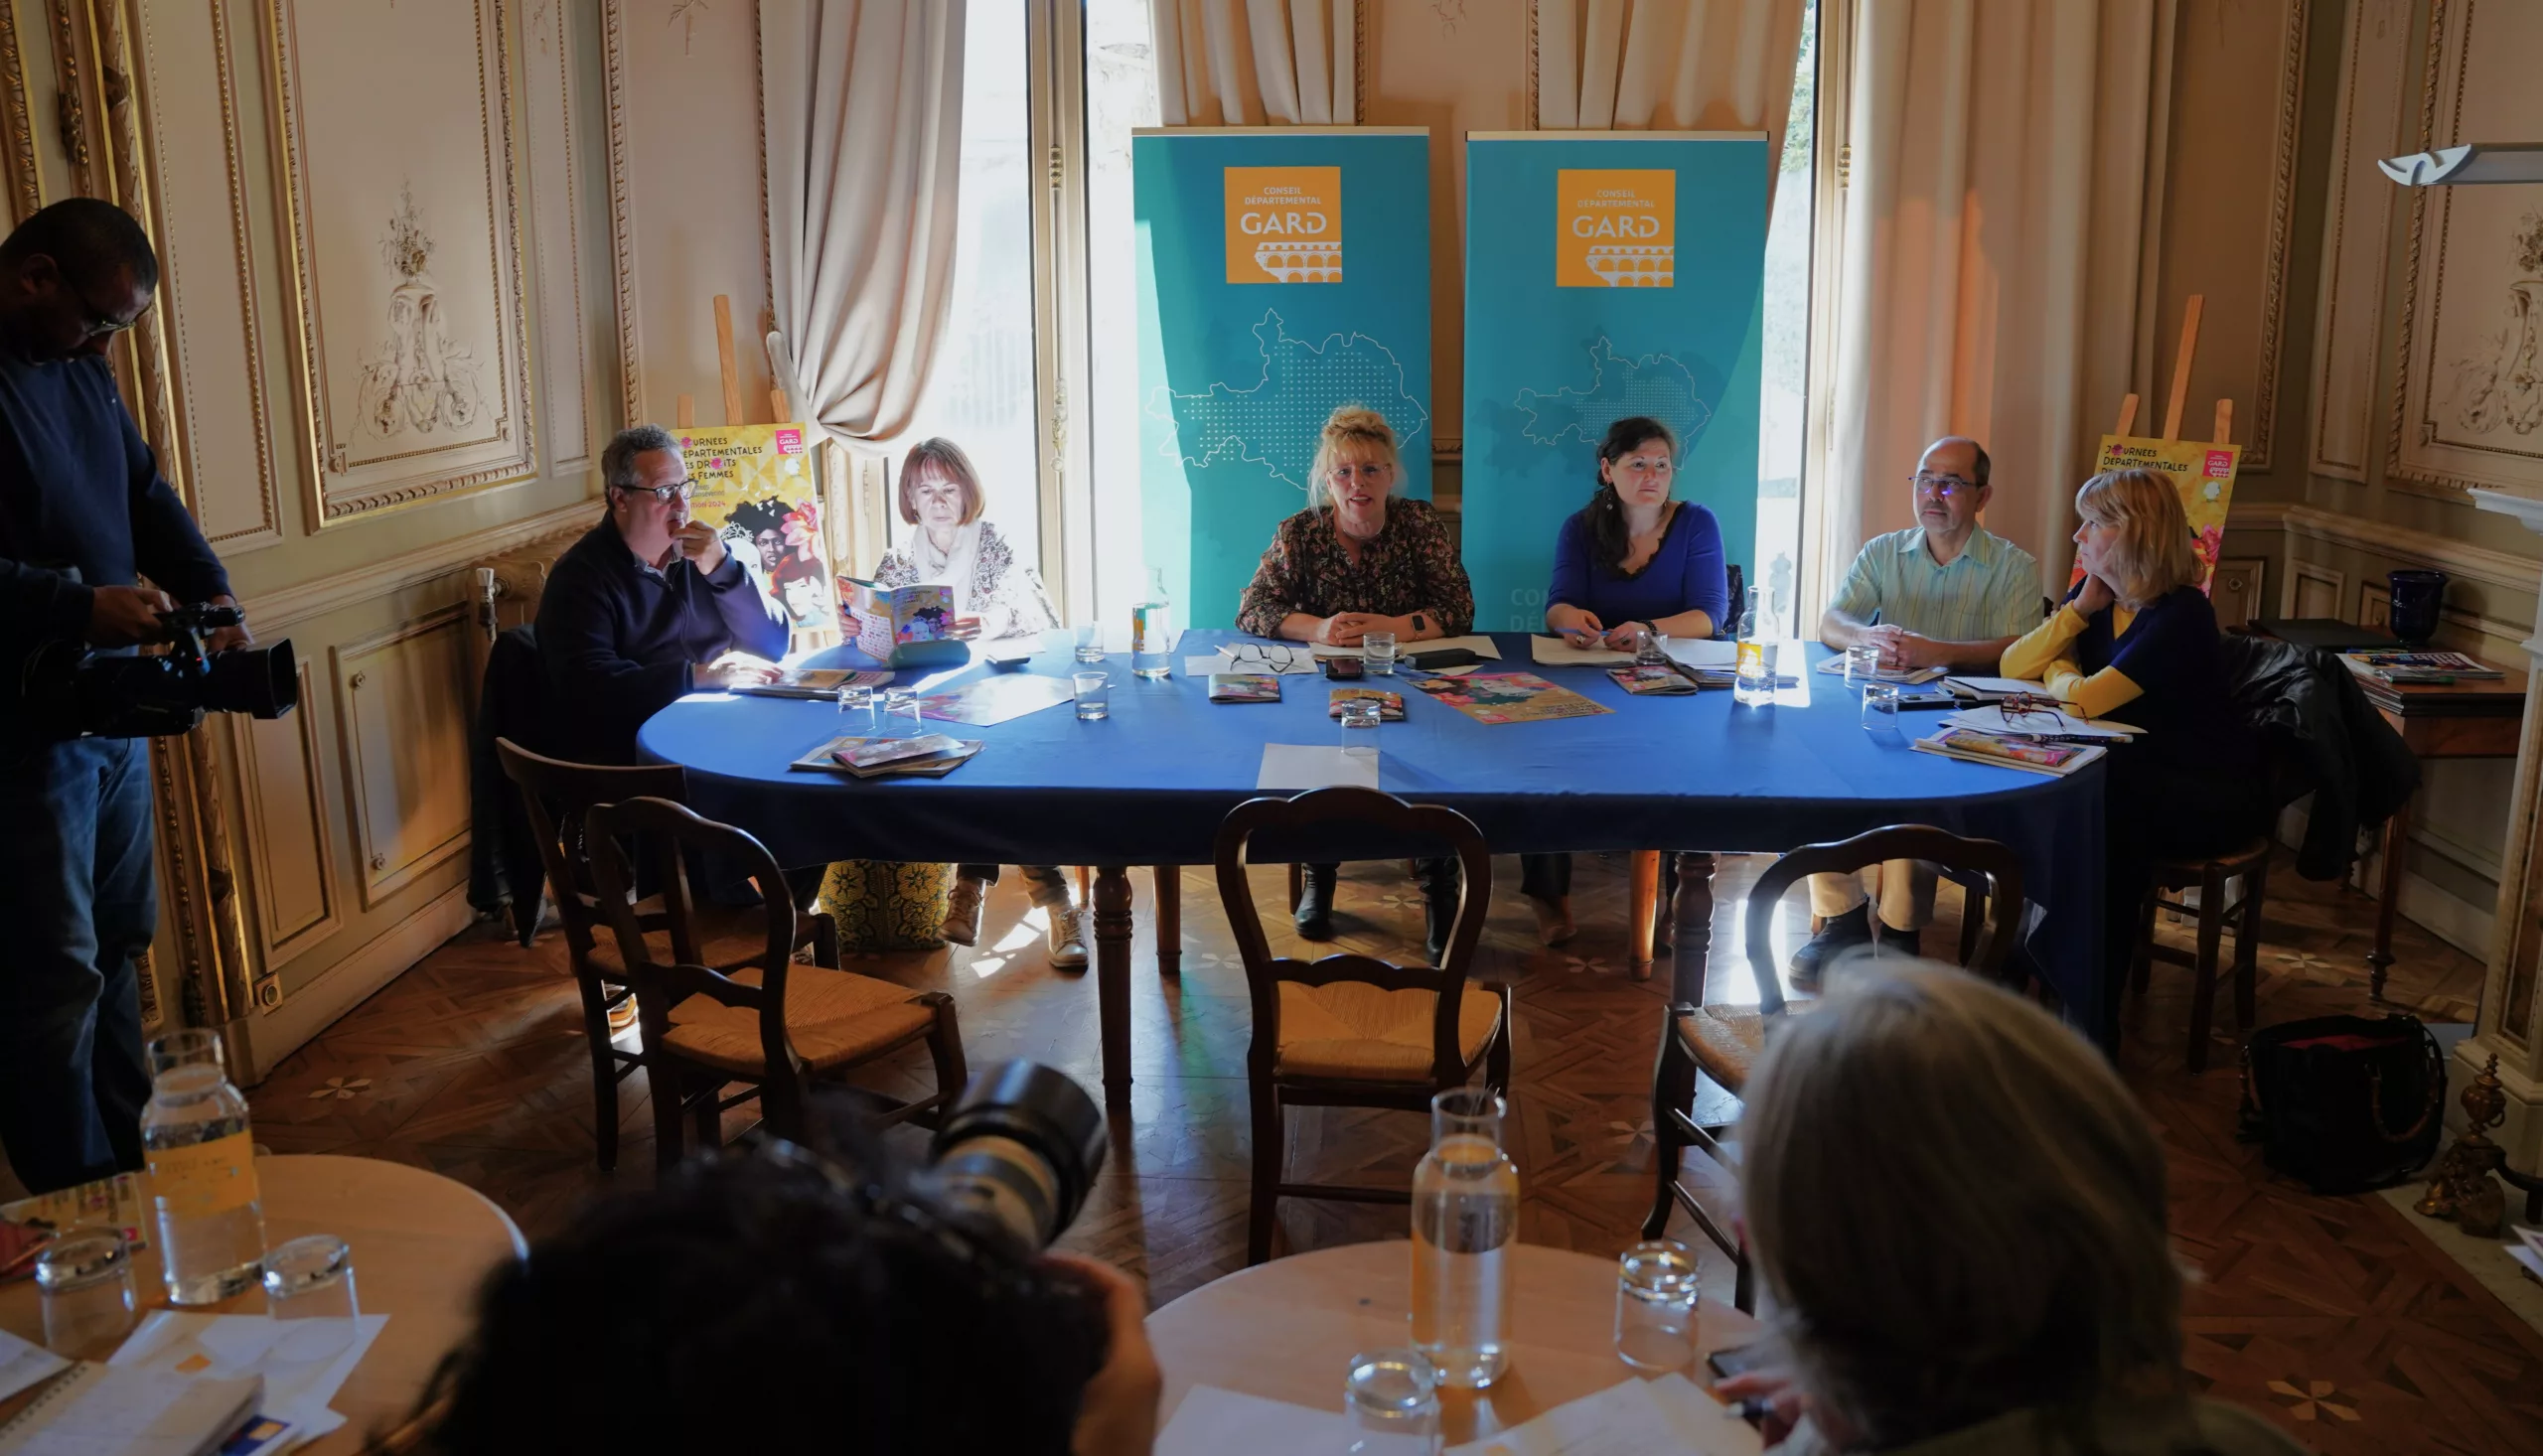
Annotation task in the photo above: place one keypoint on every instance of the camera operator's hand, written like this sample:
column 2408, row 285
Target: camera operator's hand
column 123, row 615
column 1116, row 1415
column 229, row 638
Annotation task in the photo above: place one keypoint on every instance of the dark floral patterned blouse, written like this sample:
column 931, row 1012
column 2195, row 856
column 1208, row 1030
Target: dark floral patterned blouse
column 1408, row 566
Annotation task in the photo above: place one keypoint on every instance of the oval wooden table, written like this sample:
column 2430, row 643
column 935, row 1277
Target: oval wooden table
column 1284, row 1330
column 420, row 1245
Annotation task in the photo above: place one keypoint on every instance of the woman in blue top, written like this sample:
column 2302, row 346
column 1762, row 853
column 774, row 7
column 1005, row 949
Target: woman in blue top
column 1631, row 560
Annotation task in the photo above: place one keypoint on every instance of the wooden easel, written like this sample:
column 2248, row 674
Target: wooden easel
column 2182, row 357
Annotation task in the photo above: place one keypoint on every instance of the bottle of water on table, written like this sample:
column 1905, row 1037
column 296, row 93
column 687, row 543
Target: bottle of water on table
column 203, row 1172
column 1465, row 1217
column 1152, row 629
column 1753, row 684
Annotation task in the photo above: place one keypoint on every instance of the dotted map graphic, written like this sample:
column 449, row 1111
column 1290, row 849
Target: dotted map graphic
column 1275, row 422
column 1620, row 387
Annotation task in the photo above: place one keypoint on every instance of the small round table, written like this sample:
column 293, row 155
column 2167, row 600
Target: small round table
column 1284, row 1330
column 420, row 1245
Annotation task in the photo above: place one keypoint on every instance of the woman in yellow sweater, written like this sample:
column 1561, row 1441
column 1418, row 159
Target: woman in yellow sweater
column 2136, row 642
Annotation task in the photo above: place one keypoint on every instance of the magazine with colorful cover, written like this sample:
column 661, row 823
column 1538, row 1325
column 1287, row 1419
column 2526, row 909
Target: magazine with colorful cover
column 1245, row 687
column 930, row 756
column 2058, row 759
column 1510, row 697
column 905, row 626
column 1390, row 704
column 1657, row 681
column 814, row 683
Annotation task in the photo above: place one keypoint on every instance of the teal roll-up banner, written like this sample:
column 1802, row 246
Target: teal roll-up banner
column 1282, row 271
column 1608, row 274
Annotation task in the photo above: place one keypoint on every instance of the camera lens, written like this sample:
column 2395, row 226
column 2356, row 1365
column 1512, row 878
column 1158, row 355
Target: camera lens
column 1021, row 1147
column 262, row 682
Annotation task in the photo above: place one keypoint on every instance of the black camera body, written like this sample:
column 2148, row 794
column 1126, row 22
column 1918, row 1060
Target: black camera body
column 69, row 691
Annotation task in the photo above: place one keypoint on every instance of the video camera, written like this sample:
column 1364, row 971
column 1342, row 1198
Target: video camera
column 1021, row 1148
column 74, row 692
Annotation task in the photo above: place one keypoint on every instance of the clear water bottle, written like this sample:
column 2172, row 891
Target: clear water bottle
column 203, row 1172
column 1754, row 682
column 1152, row 629
column 1465, row 1217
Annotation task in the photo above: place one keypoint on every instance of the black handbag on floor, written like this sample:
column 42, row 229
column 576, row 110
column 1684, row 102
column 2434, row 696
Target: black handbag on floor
column 2345, row 1103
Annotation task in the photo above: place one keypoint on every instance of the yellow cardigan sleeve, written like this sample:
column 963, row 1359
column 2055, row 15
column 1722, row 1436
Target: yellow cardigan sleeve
column 2047, row 655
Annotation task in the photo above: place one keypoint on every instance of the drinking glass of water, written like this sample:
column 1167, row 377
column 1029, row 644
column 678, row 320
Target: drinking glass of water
column 857, row 704
column 1862, row 665
column 1880, row 707
column 1392, row 1401
column 1656, row 1288
column 900, row 713
column 1378, row 649
column 85, row 1281
column 1650, row 649
column 1094, row 696
column 1090, row 641
column 311, row 1280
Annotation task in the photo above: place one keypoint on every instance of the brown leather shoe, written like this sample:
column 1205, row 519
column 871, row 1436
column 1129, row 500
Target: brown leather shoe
column 1069, row 933
column 963, row 911
column 1553, row 919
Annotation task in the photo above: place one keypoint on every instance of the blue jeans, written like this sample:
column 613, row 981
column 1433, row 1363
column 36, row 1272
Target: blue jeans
column 78, row 903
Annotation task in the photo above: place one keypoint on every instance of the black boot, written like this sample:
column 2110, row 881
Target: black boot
column 1837, row 935
column 1439, row 879
column 1316, row 902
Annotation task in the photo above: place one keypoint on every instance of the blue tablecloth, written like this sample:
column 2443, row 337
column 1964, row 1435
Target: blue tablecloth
column 1150, row 783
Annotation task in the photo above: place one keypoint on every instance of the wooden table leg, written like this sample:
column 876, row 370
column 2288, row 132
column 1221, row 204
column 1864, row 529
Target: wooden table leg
column 1641, row 905
column 2397, row 840
column 1694, row 928
column 1112, row 975
column 1169, row 919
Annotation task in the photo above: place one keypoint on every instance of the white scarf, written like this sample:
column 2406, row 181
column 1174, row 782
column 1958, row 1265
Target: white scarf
column 953, row 569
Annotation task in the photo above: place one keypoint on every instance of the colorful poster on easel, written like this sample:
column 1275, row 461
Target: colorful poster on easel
column 2203, row 473
column 754, row 485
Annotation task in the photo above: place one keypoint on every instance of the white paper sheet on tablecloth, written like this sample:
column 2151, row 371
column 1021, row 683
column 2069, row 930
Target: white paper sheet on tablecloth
column 23, row 1362
column 1668, row 1416
column 1479, row 644
column 1216, row 1423
column 302, row 1371
column 1281, row 659
column 1990, row 718
column 1554, row 651
column 1295, row 766
column 1994, row 687
column 1702, row 652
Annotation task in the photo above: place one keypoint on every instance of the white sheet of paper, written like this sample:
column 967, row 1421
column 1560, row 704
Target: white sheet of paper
column 1703, row 652
column 1990, row 718
column 24, row 1364
column 1216, row 1423
column 1479, row 644
column 1317, row 765
column 1554, row 651
column 1704, row 1424
column 304, row 1361
column 1622, row 1420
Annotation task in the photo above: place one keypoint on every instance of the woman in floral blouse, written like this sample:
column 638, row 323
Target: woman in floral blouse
column 1357, row 561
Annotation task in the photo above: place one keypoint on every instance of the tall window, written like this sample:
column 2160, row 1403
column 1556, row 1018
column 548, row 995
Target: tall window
column 1121, row 93
column 1783, row 418
column 981, row 392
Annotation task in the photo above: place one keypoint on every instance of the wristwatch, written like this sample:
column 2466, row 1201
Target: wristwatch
column 1420, row 623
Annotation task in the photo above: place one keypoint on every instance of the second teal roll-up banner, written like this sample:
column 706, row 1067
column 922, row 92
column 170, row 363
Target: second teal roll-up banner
column 1282, row 271
column 1609, row 275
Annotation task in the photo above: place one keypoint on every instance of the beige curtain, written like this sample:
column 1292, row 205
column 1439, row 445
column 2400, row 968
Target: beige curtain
column 2003, row 158
column 1255, row 62
column 865, row 133
column 1666, row 65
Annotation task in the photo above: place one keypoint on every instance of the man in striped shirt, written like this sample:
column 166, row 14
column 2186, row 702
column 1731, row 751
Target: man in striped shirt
column 1944, row 593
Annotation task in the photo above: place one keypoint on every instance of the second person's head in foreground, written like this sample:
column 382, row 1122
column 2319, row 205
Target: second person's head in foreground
column 1356, row 470
column 2133, row 535
column 1959, row 1211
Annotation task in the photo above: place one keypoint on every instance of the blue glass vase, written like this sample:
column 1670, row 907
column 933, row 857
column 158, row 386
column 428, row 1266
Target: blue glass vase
column 2416, row 596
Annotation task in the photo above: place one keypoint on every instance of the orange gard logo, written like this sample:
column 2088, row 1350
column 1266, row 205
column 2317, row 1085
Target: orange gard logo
column 1285, row 225
column 1615, row 229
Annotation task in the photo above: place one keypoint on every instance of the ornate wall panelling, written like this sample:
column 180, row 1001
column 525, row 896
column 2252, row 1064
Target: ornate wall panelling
column 401, row 701
column 406, row 260
column 17, row 174
column 220, row 442
column 554, row 174
column 282, row 791
column 2467, row 400
column 2376, row 82
column 2238, row 590
column 2312, row 591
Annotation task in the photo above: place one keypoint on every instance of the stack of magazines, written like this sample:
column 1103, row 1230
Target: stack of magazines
column 2007, row 751
column 926, row 756
column 2399, row 667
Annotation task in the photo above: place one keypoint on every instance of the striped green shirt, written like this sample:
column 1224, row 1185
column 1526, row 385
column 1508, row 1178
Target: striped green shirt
column 1990, row 590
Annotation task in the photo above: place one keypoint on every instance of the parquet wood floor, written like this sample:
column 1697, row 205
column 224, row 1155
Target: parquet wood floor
column 2330, row 1314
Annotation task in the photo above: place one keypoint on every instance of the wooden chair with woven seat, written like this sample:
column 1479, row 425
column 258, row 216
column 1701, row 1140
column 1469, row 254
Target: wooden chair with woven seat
column 1351, row 1030
column 756, row 1018
column 2247, row 866
column 1723, row 1041
column 556, row 793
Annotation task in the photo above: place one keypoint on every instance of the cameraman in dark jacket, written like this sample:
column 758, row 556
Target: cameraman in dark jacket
column 84, row 514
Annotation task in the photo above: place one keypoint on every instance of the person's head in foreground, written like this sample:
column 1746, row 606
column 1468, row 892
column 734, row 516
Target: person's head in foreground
column 2133, row 535
column 782, row 1302
column 1957, row 1212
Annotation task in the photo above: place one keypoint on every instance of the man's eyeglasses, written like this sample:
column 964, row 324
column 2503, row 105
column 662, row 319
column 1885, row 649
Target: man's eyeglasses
column 1947, row 487
column 681, row 491
column 100, row 323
